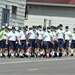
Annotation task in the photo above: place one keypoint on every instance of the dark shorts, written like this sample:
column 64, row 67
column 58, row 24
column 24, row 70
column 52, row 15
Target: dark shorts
column 3, row 44
column 17, row 45
column 38, row 44
column 46, row 45
column 73, row 44
column 55, row 45
column 51, row 46
column 60, row 43
column 23, row 44
column 12, row 45
column 66, row 44
column 31, row 43
column 0, row 44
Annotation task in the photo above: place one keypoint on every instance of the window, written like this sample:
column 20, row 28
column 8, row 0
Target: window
column 26, row 13
column 14, row 11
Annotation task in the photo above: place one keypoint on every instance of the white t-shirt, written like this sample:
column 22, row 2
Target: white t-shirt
column 32, row 34
column 60, row 34
column 53, row 35
column 17, row 33
column 67, row 35
column 47, row 36
column 11, row 36
column 22, row 35
column 73, row 36
column 40, row 34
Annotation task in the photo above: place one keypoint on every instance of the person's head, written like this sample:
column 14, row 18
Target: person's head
column 16, row 28
column 61, row 26
column 26, row 28
column 52, row 28
column 9, row 28
column 30, row 28
column 44, row 29
column 74, row 30
column 66, row 28
column 48, row 29
column 40, row 27
column 3, row 27
column 19, row 29
column 33, row 27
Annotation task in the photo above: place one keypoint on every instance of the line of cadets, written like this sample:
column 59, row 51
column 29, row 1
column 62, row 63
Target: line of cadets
column 36, row 41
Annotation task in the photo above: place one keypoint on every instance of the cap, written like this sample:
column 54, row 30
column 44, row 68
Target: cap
column 3, row 26
column 60, row 25
column 48, row 27
column 67, row 27
column 9, row 27
column 16, row 28
column 40, row 26
column 74, row 29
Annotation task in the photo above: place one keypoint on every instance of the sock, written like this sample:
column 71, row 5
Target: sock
column 47, row 54
column 12, row 54
column 52, row 53
column 5, row 54
column 38, row 54
column 64, row 53
column 71, row 51
column 0, row 54
column 20, row 54
column 28, row 54
column 57, row 53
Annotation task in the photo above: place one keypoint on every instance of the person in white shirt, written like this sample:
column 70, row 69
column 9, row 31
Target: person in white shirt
column 72, row 42
column 23, row 42
column 67, row 37
column 46, row 42
column 60, row 39
column 53, row 41
column 31, row 39
column 11, row 38
column 17, row 42
column 39, row 40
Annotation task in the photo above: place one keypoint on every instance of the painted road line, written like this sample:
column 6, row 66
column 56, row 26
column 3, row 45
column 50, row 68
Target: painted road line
column 33, row 69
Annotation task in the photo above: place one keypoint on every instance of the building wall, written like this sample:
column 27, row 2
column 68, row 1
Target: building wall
column 56, row 15
column 20, row 16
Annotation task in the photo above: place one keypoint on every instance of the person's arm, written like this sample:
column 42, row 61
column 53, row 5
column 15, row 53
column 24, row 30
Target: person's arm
column 57, row 37
column 18, row 38
column 7, row 40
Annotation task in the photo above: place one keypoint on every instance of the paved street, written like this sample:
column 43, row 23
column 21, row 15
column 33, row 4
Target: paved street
column 37, row 66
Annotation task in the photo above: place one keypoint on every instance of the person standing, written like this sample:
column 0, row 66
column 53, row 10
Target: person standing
column 72, row 42
column 10, row 40
column 67, row 37
column 60, row 39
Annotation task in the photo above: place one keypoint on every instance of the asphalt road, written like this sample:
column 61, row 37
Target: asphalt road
column 37, row 66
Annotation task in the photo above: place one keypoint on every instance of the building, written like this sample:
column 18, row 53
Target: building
column 12, row 12
column 50, row 12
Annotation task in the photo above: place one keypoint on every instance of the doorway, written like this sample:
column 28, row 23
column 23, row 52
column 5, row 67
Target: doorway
column 5, row 16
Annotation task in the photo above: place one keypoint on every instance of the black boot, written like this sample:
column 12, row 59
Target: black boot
column 9, row 55
column 71, row 54
column 60, row 54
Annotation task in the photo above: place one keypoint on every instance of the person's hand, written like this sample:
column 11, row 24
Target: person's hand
column 27, row 43
column 19, row 43
column 6, row 43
